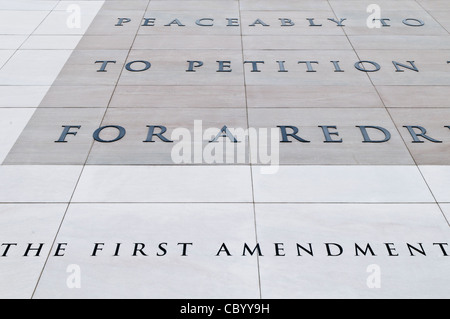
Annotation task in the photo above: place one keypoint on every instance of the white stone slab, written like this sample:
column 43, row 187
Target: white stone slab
column 5, row 55
column 11, row 42
column 346, row 276
column 164, row 184
column 12, row 123
column 62, row 22
column 353, row 184
column 37, row 184
column 27, row 5
column 199, row 274
column 446, row 209
column 20, row 22
column 43, row 42
column 22, row 225
column 85, row 5
column 438, row 178
column 33, row 67
column 22, row 96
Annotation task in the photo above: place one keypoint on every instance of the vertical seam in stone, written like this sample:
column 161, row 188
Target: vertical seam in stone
column 29, row 35
column 87, row 157
column 67, row 204
column 431, row 15
column 249, row 146
column 9, row 59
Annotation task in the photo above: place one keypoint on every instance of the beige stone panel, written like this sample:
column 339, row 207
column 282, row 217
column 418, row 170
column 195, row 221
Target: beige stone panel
column 78, row 96
column 36, row 145
column 361, row 5
column 182, row 42
column 273, row 42
column 415, row 96
column 81, row 69
column 434, row 121
column 179, row 96
column 442, row 17
column 131, row 150
column 106, row 42
column 274, row 5
column 432, row 66
column 297, row 73
column 356, row 23
column 352, row 150
column 188, row 20
column 434, row 5
column 395, row 42
column 302, row 25
column 169, row 68
column 312, row 96
column 106, row 20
